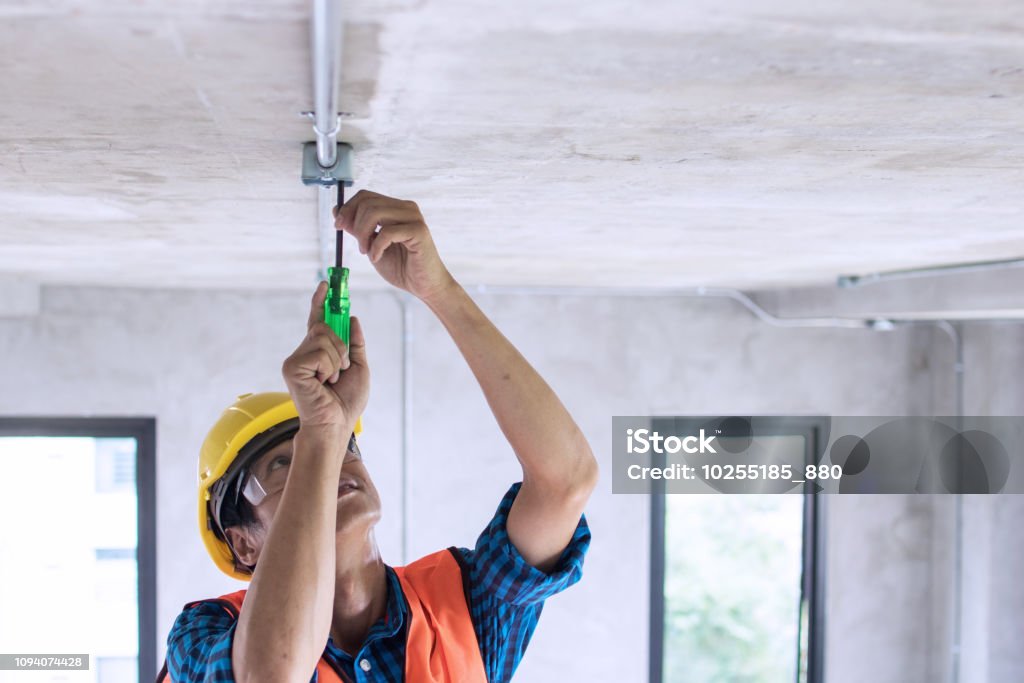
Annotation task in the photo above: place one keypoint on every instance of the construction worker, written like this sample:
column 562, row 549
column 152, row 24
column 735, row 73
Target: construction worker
column 287, row 503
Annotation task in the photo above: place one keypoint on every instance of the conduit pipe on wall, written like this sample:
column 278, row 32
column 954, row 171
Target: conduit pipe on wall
column 404, row 300
column 958, row 365
column 878, row 324
column 720, row 292
column 847, row 281
column 957, row 599
column 956, row 636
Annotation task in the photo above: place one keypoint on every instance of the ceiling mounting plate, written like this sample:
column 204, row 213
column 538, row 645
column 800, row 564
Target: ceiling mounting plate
column 315, row 174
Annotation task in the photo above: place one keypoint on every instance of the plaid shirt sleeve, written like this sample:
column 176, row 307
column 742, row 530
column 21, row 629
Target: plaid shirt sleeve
column 199, row 645
column 507, row 593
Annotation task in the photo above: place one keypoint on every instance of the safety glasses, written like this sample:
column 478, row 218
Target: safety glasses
column 268, row 474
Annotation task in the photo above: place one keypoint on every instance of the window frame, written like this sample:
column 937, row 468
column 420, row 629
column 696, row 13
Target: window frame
column 143, row 430
column 812, row 589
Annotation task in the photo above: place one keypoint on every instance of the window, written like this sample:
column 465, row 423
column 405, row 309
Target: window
column 77, row 546
column 736, row 591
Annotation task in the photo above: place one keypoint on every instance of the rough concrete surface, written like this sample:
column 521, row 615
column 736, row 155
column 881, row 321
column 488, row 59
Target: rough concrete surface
column 648, row 143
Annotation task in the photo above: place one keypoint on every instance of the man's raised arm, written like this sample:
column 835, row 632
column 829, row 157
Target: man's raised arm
column 559, row 469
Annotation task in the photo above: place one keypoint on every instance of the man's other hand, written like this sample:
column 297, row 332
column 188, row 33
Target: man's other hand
column 393, row 233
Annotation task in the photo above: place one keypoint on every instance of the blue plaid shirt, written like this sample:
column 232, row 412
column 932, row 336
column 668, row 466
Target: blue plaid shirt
column 506, row 598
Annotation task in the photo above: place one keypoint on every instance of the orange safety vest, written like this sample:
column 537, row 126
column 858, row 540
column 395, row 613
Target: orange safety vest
column 441, row 645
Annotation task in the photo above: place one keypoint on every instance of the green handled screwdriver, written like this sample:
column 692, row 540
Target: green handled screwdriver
column 336, row 306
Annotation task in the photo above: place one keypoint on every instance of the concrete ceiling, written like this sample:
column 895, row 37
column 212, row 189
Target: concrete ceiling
column 750, row 143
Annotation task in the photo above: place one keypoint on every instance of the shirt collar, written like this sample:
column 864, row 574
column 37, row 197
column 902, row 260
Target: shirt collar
column 394, row 615
column 394, row 612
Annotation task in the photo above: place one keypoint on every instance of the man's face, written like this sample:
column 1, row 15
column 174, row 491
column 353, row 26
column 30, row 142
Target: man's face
column 358, row 500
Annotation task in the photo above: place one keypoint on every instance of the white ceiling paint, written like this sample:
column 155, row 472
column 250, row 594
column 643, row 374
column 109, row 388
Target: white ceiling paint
column 713, row 142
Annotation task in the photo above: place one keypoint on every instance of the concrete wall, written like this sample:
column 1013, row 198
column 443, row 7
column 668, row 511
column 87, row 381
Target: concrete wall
column 181, row 356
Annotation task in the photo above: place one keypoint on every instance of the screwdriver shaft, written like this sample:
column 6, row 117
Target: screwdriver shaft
column 340, row 237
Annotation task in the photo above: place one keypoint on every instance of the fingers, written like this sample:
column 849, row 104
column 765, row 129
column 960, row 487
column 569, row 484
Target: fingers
column 357, row 343
column 408, row 234
column 353, row 387
column 321, row 354
column 329, row 351
column 316, row 309
column 361, row 215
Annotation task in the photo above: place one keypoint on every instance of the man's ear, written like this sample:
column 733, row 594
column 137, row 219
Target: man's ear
column 243, row 543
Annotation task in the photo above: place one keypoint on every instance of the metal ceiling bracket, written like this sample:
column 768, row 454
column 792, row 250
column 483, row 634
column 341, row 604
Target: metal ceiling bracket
column 315, row 174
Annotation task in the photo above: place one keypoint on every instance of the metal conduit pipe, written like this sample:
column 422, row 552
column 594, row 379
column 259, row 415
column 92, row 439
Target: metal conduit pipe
column 956, row 637
column 326, row 32
column 766, row 317
column 404, row 300
column 958, row 366
column 720, row 292
column 956, row 627
column 881, row 323
column 847, row 281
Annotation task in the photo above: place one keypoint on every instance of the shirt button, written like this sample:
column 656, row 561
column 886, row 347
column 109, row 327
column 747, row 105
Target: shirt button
column 364, row 664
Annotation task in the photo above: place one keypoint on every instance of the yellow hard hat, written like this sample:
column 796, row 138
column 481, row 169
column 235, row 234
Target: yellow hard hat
column 251, row 424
